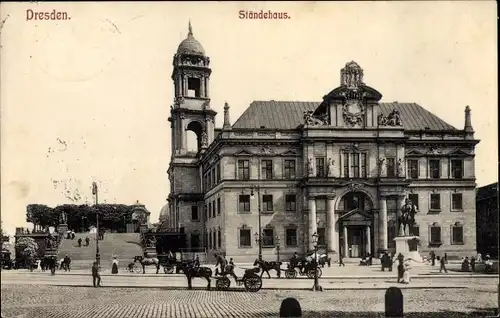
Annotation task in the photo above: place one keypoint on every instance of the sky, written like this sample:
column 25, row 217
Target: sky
column 88, row 99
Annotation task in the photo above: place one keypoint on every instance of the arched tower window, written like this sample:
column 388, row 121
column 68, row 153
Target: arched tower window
column 194, row 130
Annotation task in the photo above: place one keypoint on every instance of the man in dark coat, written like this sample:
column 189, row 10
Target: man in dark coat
column 80, row 242
column 87, row 241
column 96, row 277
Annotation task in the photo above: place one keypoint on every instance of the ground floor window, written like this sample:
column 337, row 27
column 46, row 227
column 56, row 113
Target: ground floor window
column 321, row 236
column 268, row 238
column 195, row 240
column 245, row 238
column 435, row 234
column 291, row 237
column 457, row 234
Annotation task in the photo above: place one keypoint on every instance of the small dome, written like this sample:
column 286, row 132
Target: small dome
column 164, row 210
column 190, row 45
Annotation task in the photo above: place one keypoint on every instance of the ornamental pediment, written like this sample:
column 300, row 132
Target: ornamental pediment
column 414, row 152
column 458, row 153
column 243, row 153
column 289, row 153
column 355, row 215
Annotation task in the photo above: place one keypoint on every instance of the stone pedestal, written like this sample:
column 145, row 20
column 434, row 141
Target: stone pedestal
column 62, row 228
column 408, row 246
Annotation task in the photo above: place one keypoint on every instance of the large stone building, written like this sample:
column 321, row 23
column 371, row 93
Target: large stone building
column 340, row 167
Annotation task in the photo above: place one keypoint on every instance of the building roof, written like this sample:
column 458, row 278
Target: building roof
column 289, row 114
column 190, row 45
column 488, row 191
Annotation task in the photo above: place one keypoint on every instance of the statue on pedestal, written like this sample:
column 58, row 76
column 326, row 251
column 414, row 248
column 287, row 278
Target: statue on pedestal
column 204, row 139
column 407, row 218
column 331, row 163
column 400, row 167
column 311, row 167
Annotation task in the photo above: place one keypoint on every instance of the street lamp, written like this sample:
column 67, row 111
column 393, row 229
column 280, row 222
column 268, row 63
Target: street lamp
column 316, row 286
column 258, row 236
column 278, row 246
column 96, row 193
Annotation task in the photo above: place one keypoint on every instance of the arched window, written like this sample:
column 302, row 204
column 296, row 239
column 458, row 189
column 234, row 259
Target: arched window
column 194, row 130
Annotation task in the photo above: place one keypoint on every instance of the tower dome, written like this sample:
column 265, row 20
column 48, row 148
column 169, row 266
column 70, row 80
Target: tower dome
column 190, row 45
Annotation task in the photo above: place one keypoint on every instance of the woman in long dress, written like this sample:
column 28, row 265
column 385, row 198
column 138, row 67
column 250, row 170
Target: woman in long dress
column 406, row 274
column 114, row 268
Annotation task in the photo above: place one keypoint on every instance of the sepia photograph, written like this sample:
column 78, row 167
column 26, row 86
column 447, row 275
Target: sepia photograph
column 249, row 159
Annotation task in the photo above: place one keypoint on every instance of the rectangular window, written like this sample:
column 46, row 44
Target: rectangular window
column 219, row 238
column 435, row 201
column 243, row 169
column 355, row 165
column 210, row 241
column 214, row 239
column 209, row 176
column 267, row 169
column 291, row 237
column 457, row 169
column 268, row 238
column 457, row 235
column 267, row 202
column 414, row 199
column 213, row 178
column 434, row 169
column 456, row 201
column 290, row 202
column 217, row 171
column 416, row 231
column 289, row 169
column 213, row 208
column 194, row 213
column 244, row 203
column 195, row 240
column 218, row 206
column 205, row 213
column 412, row 167
column 245, row 238
column 435, row 235
column 321, row 236
column 363, row 165
column 205, row 242
column 391, row 167
column 320, row 167
column 209, row 210
column 346, row 165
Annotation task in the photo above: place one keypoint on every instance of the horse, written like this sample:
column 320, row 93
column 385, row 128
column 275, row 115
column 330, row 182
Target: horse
column 192, row 271
column 148, row 261
column 265, row 266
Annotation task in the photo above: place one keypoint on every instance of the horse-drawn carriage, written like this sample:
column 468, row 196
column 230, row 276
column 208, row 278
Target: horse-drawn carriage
column 307, row 267
column 251, row 281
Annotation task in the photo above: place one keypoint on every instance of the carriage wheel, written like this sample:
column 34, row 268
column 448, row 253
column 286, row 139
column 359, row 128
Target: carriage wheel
column 137, row 268
column 290, row 273
column 253, row 284
column 168, row 269
column 222, row 283
column 320, row 272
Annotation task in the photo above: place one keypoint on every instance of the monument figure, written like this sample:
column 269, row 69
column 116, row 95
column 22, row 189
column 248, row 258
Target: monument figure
column 331, row 166
column 311, row 167
column 407, row 218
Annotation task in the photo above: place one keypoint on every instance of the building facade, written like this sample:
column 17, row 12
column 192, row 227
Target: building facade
column 341, row 167
column 487, row 220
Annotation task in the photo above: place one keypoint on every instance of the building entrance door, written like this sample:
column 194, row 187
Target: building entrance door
column 356, row 241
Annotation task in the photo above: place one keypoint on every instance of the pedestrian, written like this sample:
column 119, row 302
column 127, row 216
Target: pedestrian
column 433, row 258
column 67, row 262
column 53, row 265
column 406, row 274
column 79, row 242
column 96, row 278
column 87, row 241
column 114, row 267
column 473, row 264
column 401, row 271
column 442, row 266
column 341, row 260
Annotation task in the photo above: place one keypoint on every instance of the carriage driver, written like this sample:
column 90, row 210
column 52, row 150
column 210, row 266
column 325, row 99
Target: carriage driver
column 220, row 261
column 229, row 269
column 295, row 262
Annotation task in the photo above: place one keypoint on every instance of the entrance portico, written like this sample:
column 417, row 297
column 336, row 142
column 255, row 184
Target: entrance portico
column 357, row 238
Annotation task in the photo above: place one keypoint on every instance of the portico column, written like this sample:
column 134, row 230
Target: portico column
column 331, row 224
column 383, row 223
column 313, row 224
column 369, row 242
column 346, row 246
column 401, row 203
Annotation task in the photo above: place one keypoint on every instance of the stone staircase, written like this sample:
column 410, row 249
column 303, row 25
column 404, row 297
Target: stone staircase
column 125, row 246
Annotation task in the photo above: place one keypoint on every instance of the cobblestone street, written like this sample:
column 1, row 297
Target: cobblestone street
column 58, row 301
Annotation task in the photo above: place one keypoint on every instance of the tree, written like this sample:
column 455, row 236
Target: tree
column 27, row 246
column 41, row 214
